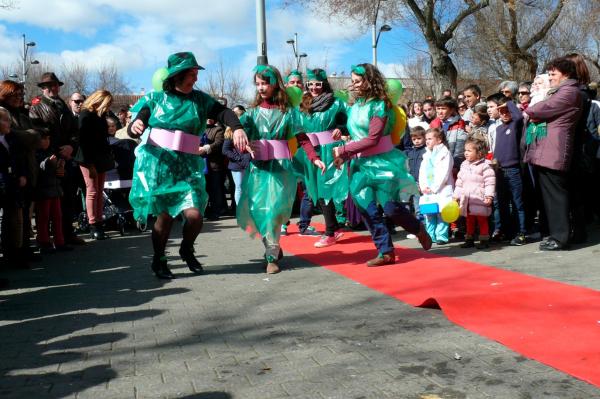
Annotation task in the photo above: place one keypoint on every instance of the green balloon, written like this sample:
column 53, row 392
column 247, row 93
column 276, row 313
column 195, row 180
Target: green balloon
column 394, row 90
column 295, row 95
column 342, row 95
column 158, row 78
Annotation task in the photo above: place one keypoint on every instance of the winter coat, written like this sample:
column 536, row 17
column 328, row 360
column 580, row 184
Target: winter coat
column 561, row 112
column 214, row 138
column 48, row 184
column 456, row 135
column 435, row 173
column 415, row 157
column 475, row 181
column 237, row 162
column 93, row 141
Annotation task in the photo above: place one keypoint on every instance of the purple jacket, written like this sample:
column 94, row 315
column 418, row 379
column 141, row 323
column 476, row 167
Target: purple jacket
column 561, row 112
column 475, row 181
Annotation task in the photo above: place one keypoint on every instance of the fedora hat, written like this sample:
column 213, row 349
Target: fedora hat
column 49, row 77
column 180, row 62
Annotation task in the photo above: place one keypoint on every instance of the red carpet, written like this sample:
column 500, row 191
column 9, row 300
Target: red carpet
column 554, row 323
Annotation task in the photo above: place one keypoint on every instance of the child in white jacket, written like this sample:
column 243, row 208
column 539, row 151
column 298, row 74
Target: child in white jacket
column 436, row 183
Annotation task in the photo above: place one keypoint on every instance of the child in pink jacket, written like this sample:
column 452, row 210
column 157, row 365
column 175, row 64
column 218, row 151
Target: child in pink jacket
column 475, row 188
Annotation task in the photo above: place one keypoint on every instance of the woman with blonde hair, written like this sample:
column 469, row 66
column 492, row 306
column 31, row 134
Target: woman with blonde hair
column 94, row 156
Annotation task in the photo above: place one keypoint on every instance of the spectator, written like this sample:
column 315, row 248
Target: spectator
column 524, row 95
column 539, row 88
column 551, row 151
column 95, row 157
column 51, row 112
column 124, row 117
column 453, row 127
column 415, row 157
column 472, row 95
column 509, row 88
column 239, row 110
column 447, row 93
column 462, row 109
column 428, row 111
column 75, row 103
column 238, row 162
column 492, row 108
column 416, row 119
column 215, row 178
column 112, row 123
column 480, row 122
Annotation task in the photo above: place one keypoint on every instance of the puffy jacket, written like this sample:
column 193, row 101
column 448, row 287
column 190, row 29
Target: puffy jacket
column 475, row 181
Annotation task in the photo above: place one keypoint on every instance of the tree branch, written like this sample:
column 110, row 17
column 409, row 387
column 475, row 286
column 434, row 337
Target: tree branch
column 542, row 32
column 473, row 8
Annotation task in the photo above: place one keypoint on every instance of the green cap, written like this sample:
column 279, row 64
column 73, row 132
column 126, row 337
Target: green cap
column 180, row 62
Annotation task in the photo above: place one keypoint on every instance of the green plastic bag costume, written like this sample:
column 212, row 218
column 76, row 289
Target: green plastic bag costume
column 316, row 182
column 382, row 177
column 269, row 187
column 165, row 180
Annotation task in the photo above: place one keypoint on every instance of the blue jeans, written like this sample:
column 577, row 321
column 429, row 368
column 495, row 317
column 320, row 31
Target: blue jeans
column 238, row 177
column 509, row 188
column 306, row 212
column 436, row 227
column 394, row 211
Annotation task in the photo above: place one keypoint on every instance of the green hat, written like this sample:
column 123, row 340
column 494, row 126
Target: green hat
column 179, row 62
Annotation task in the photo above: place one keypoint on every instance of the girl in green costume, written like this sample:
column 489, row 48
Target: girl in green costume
column 322, row 117
column 379, row 176
column 269, row 184
column 168, row 177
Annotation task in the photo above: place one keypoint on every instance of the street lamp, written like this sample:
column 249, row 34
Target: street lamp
column 375, row 34
column 297, row 56
column 25, row 62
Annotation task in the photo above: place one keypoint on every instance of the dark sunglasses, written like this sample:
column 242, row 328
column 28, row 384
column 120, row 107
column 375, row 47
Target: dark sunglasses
column 524, row 93
column 78, row 101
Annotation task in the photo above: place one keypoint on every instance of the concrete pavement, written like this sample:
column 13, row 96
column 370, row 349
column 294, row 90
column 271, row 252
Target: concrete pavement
column 95, row 323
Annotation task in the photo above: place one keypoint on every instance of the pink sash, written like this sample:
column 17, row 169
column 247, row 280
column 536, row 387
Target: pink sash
column 321, row 138
column 267, row 150
column 384, row 145
column 176, row 140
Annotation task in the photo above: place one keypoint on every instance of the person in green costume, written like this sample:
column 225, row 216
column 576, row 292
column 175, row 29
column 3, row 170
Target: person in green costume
column 323, row 116
column 168, row 174
column 379, row 176
column 273, row 127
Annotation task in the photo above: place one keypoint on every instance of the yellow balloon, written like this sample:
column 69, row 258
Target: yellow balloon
column 450, row 212
column 399, row 124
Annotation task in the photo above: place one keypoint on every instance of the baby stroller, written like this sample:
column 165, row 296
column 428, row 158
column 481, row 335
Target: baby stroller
column 117, row 212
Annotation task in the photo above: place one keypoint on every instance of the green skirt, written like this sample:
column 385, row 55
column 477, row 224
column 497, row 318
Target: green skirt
column 268, row 192
column 381, row 178
column 166, row 181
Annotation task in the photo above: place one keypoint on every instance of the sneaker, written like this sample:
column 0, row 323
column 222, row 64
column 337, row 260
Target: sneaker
column 519, row 240
column 310, row 232
column 411, row 236
column 327, row 241
column 284, row 229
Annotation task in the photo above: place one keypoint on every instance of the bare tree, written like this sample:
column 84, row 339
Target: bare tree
column 109, row 77
column 418, row 82
column 224, row 83
column 77, row 78
column 437, row 22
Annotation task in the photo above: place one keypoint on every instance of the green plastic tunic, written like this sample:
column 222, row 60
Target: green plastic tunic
column 314, row 180
column 165, row 180
column 269, row 187
column 383, row 177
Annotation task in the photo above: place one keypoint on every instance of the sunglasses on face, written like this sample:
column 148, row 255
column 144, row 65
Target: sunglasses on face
column 524, row 93
column 316, row 85
column 78, row 101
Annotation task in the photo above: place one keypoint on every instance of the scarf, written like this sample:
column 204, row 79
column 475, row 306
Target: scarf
column 322, row 102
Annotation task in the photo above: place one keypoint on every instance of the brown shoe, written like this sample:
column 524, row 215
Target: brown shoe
column 272, row 268
column 385, row 259
column 424, row 238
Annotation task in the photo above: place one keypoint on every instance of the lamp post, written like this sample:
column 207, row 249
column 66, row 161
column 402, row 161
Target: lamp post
column 297, row 56
column 25, row 62
column 261, row 33
column 375, row 34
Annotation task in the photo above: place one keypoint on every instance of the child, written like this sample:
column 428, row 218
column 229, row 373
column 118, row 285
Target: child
column 475, row 188
column 47, row 204
column 494, row 122
column 449, row 121
column 480, row 120
column 238, row 163
column 415, row 157
column 435, row 181
column 509, row 184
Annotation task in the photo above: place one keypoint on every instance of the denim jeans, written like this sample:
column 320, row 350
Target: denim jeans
column 238, row 177
column 397, row 213
column 509, row 187
column 306, row 212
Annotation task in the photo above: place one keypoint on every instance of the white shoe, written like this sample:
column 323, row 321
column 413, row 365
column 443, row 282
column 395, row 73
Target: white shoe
column 411, row 236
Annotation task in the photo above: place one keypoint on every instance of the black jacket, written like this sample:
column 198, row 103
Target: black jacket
column 237, row 161
column 93, row 142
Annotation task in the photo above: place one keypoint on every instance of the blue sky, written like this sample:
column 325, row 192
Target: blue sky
column 138, row 35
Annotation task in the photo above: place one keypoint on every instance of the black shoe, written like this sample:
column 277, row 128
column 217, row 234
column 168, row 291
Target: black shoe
column 64, row 248
column 186, row 252
column 497, row 236
column 97, row 233
column 483, row 244
column 47, row 249
column 160, row 268
column 552, row 245
column 519, row 240
column 469, row 243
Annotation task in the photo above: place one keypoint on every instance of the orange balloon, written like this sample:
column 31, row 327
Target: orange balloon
column 399, row 124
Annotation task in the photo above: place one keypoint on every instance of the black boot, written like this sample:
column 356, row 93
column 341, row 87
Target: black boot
column 97, row 232
column 186, row 251
column 469, row 243
column 160, row 268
